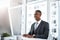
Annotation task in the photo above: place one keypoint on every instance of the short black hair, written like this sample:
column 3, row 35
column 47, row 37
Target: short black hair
column 38, row 11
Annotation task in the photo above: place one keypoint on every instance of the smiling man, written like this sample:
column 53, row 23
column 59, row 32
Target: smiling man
column 39, row 29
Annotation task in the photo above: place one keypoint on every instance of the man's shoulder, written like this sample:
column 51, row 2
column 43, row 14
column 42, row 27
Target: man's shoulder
column 33, row 23
column 44, row 22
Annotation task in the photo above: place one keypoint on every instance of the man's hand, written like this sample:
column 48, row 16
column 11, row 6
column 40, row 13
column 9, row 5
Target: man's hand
column 28, row 36
column 25, row 35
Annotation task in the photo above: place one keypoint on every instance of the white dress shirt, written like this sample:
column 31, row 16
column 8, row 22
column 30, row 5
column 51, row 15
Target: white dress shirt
column 37, row 24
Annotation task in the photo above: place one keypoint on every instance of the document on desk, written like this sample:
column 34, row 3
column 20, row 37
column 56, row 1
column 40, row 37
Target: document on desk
column 25, row 38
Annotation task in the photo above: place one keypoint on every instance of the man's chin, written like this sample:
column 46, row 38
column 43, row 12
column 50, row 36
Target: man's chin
column 36, row 19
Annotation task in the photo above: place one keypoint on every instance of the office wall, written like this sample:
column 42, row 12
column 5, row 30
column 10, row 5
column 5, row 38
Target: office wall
column 4, row 21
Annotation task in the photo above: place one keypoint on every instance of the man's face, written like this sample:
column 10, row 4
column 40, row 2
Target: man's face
column 37, row 16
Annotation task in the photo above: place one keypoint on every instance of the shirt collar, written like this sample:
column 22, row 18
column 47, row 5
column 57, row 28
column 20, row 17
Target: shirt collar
column 39, row 21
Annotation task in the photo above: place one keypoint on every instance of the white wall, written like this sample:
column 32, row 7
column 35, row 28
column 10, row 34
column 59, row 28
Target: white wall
column 4, row 21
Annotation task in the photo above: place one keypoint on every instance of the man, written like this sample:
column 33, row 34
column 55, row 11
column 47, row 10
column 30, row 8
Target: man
column 39, row 29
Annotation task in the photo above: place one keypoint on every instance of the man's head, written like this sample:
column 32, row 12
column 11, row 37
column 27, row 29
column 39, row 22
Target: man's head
column 37, row 15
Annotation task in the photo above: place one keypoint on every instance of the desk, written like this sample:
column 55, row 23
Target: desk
column 24, row 38
column 20, row 38
column 9, row 38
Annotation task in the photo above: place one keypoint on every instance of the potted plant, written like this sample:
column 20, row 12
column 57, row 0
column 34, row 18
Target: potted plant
column 4, row 35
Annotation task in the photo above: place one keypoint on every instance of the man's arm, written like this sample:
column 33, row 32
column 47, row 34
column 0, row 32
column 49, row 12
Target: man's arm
column 30, row 34
column 31, row 30
column 46, row 32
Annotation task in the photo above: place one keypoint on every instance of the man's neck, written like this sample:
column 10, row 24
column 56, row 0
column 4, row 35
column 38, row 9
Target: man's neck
column 39, row 21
